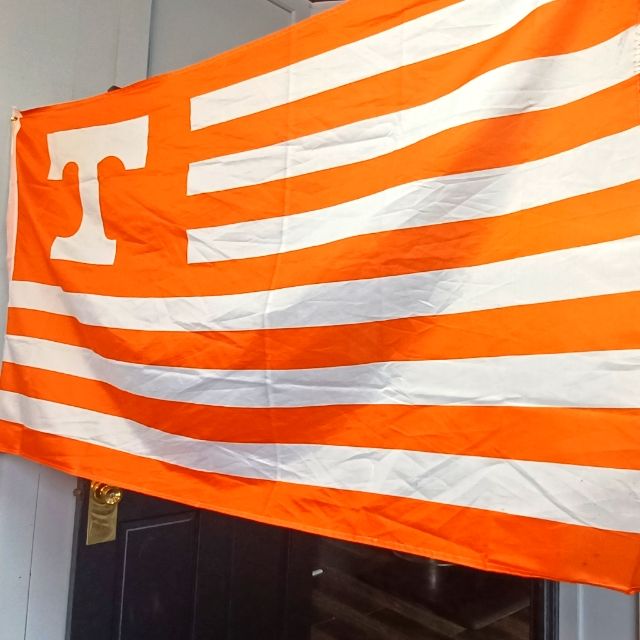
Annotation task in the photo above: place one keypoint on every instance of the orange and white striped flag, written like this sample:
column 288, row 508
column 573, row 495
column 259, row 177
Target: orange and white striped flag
column 375, row 276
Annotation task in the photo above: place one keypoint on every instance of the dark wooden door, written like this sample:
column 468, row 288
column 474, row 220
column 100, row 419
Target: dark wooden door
column 178, row 573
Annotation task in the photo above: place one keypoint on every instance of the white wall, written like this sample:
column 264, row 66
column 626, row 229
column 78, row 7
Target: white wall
column 589, row 613
column 51, row 51
column 192, row 30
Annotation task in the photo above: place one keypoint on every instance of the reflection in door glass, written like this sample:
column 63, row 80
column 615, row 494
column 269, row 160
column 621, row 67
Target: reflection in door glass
column 365, row 593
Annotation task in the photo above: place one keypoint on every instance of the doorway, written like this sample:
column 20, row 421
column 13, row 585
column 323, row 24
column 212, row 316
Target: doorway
column 178, row 573
column 367, row 593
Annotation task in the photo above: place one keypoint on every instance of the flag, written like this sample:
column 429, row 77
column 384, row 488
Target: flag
column 375, row 277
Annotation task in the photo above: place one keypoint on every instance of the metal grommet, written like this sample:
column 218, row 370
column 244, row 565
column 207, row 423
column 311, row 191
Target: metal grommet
column 14, row 118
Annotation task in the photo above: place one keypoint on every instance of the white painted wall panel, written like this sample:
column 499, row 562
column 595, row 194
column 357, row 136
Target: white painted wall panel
column 95, row 48
column 50, row 52
column 132, row 58
column 51, row 556
column 18, row 497
column 187, row 32
column 589, row 613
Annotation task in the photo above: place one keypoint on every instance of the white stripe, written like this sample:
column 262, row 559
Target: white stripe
column 599, row 379
column 604, row 163
column 520, row 87
column 452, row 28
column 573, row 494
column 592, row 270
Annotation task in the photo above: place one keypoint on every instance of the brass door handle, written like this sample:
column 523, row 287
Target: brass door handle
column 105, row 493
column 102, row 516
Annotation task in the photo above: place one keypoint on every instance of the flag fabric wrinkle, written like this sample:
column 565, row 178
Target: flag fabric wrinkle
column 375, row 276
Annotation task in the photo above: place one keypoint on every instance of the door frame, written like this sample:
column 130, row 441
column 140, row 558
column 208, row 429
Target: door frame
column 545, row 609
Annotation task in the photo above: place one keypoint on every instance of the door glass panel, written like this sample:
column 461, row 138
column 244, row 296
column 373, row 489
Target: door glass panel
column 366, row 593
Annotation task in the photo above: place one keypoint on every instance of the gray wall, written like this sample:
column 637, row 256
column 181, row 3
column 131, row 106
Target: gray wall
column 186, row 32
column 588, row 613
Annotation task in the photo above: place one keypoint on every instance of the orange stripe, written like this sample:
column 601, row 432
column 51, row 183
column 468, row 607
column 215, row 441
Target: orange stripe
column 470, row 147
column 510, row 544
column 565, row 29
column 608, row 437
column 152, row 212
column 324, row 32
column 589, row 324
column 605, row 215
column 157, row 245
